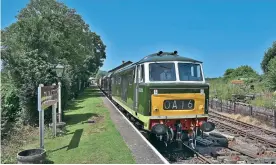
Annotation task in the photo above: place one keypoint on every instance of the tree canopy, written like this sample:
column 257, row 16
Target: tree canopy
column 46, row 33
column 101, row 73
column 243, row 71
column 269, row 55
column 271, row 74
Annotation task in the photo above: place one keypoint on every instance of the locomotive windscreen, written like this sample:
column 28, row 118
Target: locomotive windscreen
column 162, row 72
column 190, row 72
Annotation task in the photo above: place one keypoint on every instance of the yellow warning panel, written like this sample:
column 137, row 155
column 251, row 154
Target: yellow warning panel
column 177, row 104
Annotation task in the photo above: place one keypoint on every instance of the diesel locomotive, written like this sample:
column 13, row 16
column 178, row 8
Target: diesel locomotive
column 164, row 94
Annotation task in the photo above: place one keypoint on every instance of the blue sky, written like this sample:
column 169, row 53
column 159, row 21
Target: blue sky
column 222, row 34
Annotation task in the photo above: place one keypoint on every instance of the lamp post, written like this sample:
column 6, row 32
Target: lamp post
column 59, row 71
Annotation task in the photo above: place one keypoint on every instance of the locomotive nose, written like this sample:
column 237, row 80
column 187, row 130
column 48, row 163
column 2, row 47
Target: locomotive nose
column 159, row 129
column 207, row 126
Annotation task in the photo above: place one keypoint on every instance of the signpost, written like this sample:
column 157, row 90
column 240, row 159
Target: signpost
column 47, row 96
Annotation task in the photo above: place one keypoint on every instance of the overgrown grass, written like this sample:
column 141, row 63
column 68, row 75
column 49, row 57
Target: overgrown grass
column 89, row 143
column 223, row 89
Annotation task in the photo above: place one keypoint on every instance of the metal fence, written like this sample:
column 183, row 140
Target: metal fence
column 263, row 114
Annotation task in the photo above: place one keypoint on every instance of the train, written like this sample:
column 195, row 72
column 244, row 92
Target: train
column 163, row 94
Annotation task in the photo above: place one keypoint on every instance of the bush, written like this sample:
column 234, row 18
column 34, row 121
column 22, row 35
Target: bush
column 10, row 109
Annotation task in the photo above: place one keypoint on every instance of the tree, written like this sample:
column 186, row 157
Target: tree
column 269, row 54
column 271, row 74
column 228, row 73
column 101, row 73
column 243, row 71
column 48, row 32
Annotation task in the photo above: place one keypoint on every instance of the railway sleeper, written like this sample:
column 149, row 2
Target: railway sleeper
column 261, row 161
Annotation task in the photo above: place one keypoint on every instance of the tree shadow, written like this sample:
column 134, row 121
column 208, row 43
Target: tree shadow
column 95, row 95
column 47, row 161
column 72, row 119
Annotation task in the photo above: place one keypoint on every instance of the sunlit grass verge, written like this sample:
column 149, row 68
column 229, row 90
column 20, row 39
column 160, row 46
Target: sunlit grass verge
column 89, row 143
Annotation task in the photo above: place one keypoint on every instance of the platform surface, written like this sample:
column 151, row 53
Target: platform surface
column 141, row 151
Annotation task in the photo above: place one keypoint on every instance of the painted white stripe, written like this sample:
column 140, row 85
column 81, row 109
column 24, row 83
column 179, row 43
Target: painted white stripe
column 139, row 133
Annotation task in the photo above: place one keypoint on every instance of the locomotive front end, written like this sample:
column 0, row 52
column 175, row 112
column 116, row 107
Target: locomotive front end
column 178, row 101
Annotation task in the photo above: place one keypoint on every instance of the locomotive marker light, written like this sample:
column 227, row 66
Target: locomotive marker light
column 202, row 91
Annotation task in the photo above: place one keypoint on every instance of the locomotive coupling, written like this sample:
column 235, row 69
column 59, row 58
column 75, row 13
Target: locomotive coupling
column 159, row 129
column 206, row 126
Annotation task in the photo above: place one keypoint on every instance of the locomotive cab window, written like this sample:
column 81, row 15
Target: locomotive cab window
column 141, row 73
column 190, row 72
column 162, row 72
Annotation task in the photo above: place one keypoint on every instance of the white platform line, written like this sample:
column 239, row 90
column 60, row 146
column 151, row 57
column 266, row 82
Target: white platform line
column 148, row 143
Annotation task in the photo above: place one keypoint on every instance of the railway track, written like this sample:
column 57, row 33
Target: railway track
column 197, row 157
column 267, row 137
column 240, row 123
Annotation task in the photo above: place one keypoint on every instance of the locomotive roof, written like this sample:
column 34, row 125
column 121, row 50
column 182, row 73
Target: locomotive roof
column 166, row 56
column 156, row 57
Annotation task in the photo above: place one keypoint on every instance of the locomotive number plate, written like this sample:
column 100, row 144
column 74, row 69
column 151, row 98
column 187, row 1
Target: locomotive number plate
column 178, row 104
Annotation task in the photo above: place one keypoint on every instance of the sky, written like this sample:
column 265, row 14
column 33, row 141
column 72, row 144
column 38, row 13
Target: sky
column 222, row 34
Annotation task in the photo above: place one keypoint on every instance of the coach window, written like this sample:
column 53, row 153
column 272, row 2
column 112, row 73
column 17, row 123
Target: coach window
column 130, row 78
column 119, row 80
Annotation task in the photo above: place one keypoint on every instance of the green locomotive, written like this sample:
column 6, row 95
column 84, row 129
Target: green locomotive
column 164, row 94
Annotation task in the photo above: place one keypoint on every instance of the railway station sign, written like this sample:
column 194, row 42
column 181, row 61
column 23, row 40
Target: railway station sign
column 47, row 96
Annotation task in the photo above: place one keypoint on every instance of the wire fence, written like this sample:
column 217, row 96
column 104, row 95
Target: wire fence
column 264, row 114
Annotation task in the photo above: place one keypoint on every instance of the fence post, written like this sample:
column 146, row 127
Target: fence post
column 234, row 107
column 274, row 118
column 251, row 110
column 221, row 105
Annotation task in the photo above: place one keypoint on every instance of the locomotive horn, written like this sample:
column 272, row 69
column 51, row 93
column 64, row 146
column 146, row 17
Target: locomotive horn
column 159, row 53
column 207, row 126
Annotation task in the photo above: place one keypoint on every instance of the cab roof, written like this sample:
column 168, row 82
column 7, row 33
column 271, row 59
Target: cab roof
column 166, row 56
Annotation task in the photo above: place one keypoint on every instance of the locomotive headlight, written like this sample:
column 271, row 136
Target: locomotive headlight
column 202, row 91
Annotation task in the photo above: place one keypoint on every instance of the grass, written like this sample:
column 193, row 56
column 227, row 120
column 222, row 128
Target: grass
column 224, row 90
column 86, row 143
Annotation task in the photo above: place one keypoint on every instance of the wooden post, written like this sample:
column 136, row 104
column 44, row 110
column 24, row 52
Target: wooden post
column 54, row 119
column 234, row 107
column 251, row 110
column 221, row 105
column 274, row 118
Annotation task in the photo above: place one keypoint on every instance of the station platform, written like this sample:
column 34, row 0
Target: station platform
column 142, row 151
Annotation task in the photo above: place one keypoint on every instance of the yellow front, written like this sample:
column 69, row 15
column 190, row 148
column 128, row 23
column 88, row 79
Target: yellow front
column 157, row 102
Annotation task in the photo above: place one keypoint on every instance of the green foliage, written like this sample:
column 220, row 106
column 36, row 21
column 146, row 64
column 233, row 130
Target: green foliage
column 229, row 72
column 269, row 54
column 9, row 103
column 47, row 33
column 101, row 73
column 271, row 74
column 243, row 71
